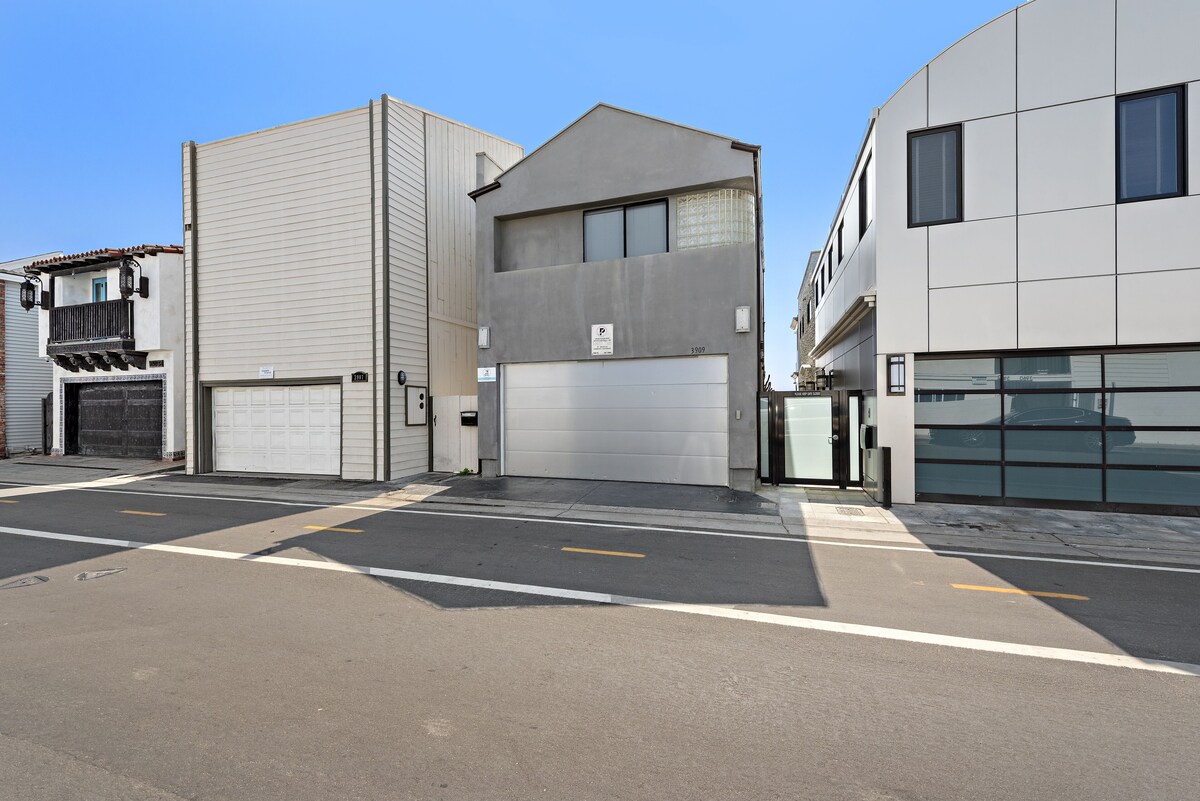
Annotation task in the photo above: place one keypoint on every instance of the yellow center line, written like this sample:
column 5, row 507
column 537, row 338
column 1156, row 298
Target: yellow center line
column 1015, row 591
column 147, row 514
column 607, row 553
column 7, row 501
column 331, row 528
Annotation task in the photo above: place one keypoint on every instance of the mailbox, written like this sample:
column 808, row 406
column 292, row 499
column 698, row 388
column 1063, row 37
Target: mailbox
column 866, row 437
column 469, row 418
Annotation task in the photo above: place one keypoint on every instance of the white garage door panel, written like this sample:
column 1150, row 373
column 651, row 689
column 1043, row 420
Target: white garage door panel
column 660, row 420
column 618, row 420
column 277, row 429
column 628, row 442
column 622, row 467
column 636, row 396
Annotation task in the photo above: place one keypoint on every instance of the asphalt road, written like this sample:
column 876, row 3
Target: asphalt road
column 188, row 676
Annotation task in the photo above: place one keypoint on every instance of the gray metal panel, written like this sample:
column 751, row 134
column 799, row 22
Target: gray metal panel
column 27, row 378
column 656, row 420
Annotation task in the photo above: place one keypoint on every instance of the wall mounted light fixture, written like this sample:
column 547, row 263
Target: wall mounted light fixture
column 29, row 294
column 125, row 279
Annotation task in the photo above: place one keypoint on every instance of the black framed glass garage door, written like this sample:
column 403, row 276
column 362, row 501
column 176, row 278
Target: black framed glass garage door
column 1117, row 430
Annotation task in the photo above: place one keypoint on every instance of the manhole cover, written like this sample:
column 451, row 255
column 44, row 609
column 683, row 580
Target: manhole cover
column 850, row 510
column 28, row 581
column 88, row 575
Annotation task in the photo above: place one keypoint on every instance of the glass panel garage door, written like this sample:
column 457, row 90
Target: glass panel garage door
column 277, row 429
column 1080, row 428
column 655, row 420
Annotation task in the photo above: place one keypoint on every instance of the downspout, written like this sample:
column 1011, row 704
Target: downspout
column 387, row 300
column 375, row 393
column 198, row 456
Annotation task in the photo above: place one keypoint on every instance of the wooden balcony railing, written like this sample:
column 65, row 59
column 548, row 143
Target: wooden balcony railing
column 108, row 319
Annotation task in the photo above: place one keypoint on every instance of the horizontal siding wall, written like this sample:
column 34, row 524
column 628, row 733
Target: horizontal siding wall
column 28, row 379
column 283, row 262
column 450, row 156
column 407, row 284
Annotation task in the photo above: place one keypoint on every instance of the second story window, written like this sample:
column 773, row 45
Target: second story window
column 866, row 199
column 935, row 176
column 99, row 290
column 635, row 230
column 841, row 227
column 1150, row 145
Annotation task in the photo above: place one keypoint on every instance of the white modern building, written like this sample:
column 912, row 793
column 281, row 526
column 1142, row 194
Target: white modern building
column 111, row 321
column 1008, row 287
column 330, row 285
column 25, row 377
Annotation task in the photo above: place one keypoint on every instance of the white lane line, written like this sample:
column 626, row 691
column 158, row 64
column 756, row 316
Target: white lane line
column 857, row 629
column 365, row 507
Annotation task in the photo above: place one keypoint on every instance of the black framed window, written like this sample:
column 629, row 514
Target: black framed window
column 635, row 230
column 841, row 252
column 829, row 265
column 866, row 200
column 935, row 176
column 1151, row 145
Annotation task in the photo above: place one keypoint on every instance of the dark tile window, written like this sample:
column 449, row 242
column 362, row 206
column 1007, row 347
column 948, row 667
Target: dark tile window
column 935, row 176
column 866, row 199
column 1151, row 153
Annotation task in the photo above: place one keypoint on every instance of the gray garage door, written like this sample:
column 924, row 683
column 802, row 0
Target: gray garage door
column 659, row 420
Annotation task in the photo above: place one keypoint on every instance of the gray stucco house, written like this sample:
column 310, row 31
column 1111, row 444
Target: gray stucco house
column 619, row 272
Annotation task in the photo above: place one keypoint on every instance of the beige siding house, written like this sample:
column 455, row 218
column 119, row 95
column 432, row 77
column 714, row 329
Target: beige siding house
column 322, row 259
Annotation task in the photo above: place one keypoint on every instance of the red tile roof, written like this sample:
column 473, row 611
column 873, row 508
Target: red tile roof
column 98, row 256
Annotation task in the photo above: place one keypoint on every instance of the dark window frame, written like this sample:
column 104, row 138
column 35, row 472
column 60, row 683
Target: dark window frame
column 957, row 128
column 625, row 226
column 862, row 194
column 840, row 251
column 1181, row 142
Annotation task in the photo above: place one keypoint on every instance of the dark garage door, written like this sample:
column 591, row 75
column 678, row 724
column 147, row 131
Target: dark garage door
column 121, row 418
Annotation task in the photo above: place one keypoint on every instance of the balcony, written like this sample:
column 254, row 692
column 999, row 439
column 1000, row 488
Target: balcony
column 93, row 336
column 107, row 325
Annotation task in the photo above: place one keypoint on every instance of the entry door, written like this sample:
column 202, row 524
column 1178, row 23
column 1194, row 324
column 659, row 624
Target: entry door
column 806, row 437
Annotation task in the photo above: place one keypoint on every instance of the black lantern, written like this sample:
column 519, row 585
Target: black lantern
column 125, row 278
column 28, row 295
column 126, row 283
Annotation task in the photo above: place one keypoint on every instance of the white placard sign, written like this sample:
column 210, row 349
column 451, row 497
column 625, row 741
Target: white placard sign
column 266, row 372
column 486, row 374
column 602, row 339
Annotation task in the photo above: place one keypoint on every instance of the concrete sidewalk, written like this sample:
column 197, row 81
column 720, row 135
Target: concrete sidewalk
column 852, row 515
column 818, row 513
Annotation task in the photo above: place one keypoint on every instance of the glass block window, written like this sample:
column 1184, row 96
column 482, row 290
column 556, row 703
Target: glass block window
column 713, row 218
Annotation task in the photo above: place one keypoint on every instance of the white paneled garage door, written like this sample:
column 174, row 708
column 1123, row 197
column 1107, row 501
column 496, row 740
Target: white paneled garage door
column 660, row 420
column 278, row 429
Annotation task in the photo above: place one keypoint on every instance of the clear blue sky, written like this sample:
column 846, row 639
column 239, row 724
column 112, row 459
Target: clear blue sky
column 97, row 97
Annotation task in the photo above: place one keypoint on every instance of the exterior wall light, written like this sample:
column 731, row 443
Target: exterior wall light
column 741, row 320
column 29, row 294
column 485, row 336
column 895, row 374
column 125, row 279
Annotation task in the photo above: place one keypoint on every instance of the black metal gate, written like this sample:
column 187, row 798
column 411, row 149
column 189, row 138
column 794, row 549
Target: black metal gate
column 812, row 437
column 47, row 423
column 115, row 418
